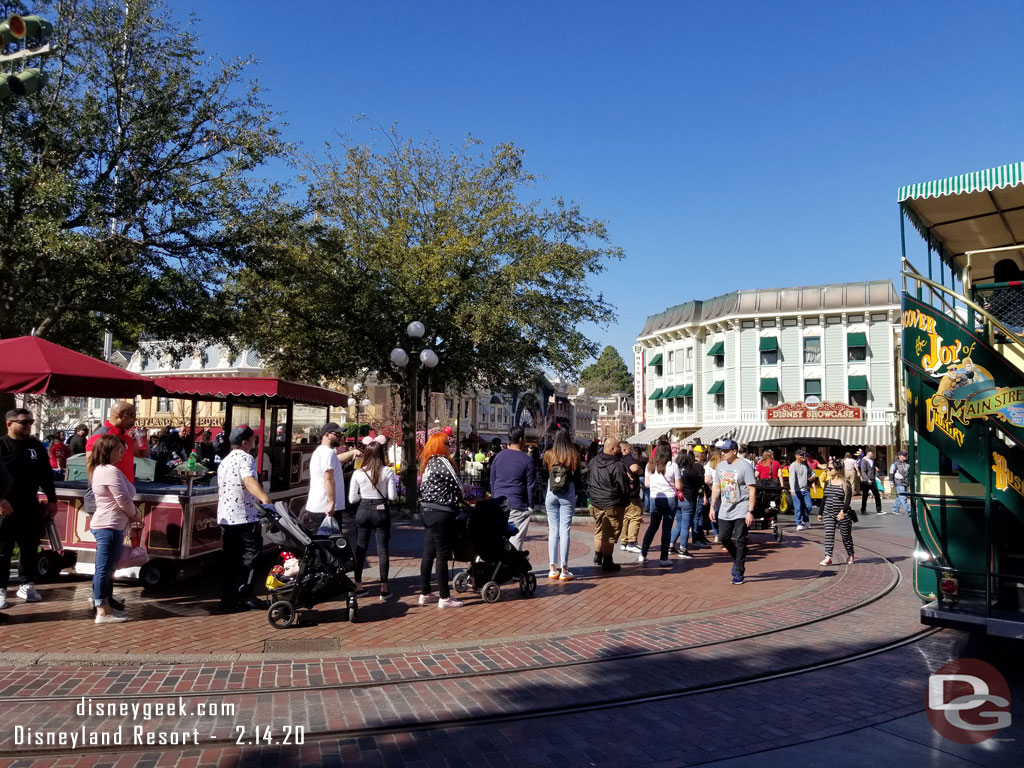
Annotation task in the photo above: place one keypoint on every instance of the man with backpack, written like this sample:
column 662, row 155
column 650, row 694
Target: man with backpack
column 868, row 479
column 634, row 515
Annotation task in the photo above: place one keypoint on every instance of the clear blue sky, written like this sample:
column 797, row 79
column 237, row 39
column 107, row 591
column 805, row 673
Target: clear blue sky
column 728, row 145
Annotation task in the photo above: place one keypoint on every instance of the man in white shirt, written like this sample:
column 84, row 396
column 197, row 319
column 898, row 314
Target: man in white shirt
column 238, row 516
column 326, row 479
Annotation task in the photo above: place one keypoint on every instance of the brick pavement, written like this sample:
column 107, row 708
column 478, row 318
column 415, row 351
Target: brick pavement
column 550, row 687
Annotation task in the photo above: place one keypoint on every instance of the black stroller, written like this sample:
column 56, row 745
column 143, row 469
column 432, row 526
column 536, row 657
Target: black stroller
column 482, row 540
column 768, row 502
column 323, row 566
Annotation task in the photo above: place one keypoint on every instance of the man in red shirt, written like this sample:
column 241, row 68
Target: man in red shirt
column 120, row 423
column 59, row 452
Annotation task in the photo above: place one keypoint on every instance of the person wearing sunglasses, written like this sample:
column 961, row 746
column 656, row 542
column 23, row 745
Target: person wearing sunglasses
column 21, row 524
column 836, row 512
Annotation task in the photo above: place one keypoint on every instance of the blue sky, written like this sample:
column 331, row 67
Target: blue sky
column 728, row 145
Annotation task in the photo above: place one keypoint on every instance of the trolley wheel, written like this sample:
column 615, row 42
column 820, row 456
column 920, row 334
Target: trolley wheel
column 352, row 613
column 281, row 614
column 462, row 581
column 491, row 593
column 778, row 533
column 48, row 565
column 153, row 575
column 529, row 584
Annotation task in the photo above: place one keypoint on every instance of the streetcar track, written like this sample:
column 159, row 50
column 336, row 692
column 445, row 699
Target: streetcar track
column 895, row 581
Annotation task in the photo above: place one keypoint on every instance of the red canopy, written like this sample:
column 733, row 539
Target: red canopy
column 210, row 387
column 36, row 366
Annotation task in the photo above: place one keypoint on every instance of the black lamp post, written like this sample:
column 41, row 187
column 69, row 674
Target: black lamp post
column 410, row 361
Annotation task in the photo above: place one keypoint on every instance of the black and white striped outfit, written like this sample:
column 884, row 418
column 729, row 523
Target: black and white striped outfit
column 837, row 498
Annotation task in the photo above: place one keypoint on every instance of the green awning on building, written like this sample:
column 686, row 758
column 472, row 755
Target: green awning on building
column 685, row 391
column 671, row 392
column 656, row 394
column 858, row 383
column 717, row 349
column 656, row 360
column 768, row 344
column 856, row 339
column 717, row 388
column 769, row 385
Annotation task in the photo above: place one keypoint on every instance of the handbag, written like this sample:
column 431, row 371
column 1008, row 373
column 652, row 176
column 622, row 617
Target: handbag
column 134, row 554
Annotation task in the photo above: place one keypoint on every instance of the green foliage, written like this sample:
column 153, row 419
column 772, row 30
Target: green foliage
column 444, row 236
column 609, row 374
column 356, row 430
column 127, row 184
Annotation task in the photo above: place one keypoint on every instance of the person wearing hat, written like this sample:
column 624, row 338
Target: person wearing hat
column 899, row 476
column 238, row 516
column 800, row 488
column 736, row 512
column 326, row 476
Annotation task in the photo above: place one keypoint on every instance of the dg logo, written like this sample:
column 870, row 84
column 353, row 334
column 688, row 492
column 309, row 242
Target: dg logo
column 968, row 701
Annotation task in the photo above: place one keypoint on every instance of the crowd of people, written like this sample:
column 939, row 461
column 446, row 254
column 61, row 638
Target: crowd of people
column 688, row 493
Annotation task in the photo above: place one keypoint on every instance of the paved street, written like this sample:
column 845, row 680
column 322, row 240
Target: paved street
column 646, row 667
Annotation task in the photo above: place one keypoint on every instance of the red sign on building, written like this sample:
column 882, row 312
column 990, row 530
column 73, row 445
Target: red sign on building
column 833, row 413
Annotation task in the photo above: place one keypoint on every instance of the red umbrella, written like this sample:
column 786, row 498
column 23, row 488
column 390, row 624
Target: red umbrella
column 36, row 366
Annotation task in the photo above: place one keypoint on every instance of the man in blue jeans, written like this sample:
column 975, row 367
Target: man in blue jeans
column 899, row 476
column 799, row 486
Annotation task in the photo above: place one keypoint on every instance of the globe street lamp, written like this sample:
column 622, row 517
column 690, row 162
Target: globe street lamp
column 410, row 361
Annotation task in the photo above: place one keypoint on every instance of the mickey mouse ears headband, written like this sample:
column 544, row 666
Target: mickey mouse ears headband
column 380, row 439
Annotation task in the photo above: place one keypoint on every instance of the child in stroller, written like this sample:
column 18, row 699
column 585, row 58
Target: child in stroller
column 482, row 539
column 322, row 574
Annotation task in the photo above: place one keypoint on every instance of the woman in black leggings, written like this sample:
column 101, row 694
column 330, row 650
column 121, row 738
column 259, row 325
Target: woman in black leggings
column 441, row 498
column 373, row 487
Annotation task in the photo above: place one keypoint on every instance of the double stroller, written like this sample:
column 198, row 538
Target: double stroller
column 322, row 573
column 482, row 540
column 769, row 499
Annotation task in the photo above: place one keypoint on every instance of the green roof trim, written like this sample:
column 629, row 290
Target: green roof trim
column 858, row 383
column 717, row 388
column 856, row 339
column 769, row 385
column 685, row 391
column 717, row 349
column 977, row 181
column 768, row 344
column 656, row 394
column 656, row 360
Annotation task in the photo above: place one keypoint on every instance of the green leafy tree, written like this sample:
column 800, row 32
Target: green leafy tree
column 443, row 236
column 127, row 186
column 609, row 374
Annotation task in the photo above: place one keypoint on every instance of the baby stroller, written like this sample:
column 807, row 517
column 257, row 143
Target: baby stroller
column 321, row 576
column 768, row 502
column 482, row 540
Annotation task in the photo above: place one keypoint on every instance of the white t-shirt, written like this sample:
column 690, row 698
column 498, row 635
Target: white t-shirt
column 323, row 459
column 362, row 488
column 236, row 504
column 663, row 485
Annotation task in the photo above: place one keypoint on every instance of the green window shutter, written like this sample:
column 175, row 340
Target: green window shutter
column 686, row 391
column 858, row 383
column 717, row 388
column 656, row 394
column 717, row 349
column 656, row 360
column 768, row 344
column 856, row 340
column 769, row 385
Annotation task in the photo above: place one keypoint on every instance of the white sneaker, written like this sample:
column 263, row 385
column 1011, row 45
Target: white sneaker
column 622, row 547
column 449, row 602
column 799, row 527
column 430, row 597
column 826, row 561
column 641, row 559
column 27, row 592
column 883, row 512
column 3, row 599
column 111, row 618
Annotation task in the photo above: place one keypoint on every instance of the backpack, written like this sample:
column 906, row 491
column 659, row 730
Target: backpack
column 560, row 478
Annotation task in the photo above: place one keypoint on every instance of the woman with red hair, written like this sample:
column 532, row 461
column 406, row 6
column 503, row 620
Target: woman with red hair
column 441, row 498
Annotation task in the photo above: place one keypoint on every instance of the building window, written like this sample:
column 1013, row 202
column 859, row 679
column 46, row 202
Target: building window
column 163, row 405
column 856, row 354
column 720, row 402
column 811, row 320
column 465, row 413
column 688, row 360
column 449, row 406
column 812, row 349
column 767, row 323
column 688, row 404
column 747, row 324
column 812, row 387
column 222, row 406
column 858, row 318
column 833, row 320
column 859, row 397
column 671, row 361
column 770, row 357
column 789, row 322
column 769, row 399
column 879, row 317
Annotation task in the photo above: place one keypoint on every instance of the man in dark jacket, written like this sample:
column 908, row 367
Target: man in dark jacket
column 77, row 441
column 29, row 467
column 608, row 488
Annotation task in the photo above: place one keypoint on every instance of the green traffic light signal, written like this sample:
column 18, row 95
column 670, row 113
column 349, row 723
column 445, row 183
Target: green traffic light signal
column 5, row 90
column 26, row 82
column 33, row 27
column 7, row 37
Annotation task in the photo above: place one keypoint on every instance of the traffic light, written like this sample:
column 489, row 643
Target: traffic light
column 30, row 37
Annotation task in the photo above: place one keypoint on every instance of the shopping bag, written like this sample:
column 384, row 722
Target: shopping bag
column 329, row 527
column 132, row 557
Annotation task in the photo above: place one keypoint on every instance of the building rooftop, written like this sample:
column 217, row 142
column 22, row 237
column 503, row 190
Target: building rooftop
column 784, row 301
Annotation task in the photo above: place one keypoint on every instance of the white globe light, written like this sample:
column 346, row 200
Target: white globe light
column 429, row 358
column 399, row 357
column 415, row 330
column 357, row 387
column 366, row 403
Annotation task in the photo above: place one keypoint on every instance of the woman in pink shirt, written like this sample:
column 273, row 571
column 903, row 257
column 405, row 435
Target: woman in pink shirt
column 115, row 511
